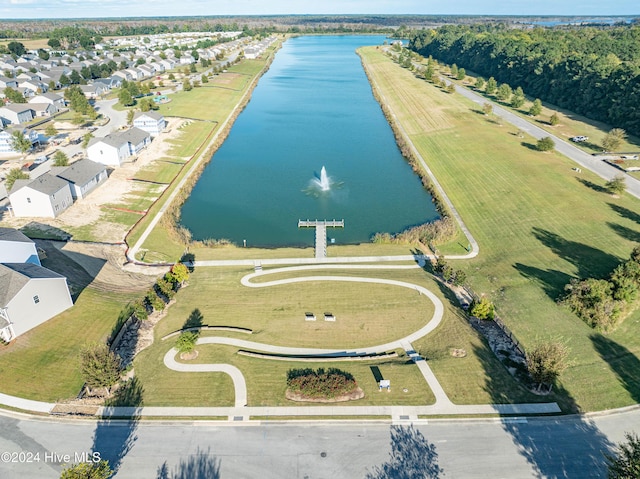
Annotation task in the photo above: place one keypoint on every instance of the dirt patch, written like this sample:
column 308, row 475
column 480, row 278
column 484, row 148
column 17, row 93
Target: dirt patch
column 189, row 356
column 352, row 396
column 458, row 353
column 95, row 265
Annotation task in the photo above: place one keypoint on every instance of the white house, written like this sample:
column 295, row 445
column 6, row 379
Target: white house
column 53, row 98
column 136, row 138
column 6, row 139
column 16, row 113
column 149, row 121
column 45, row 196
column 16, row 247
column 83, row 176
column 111, row 150
column 29, row 296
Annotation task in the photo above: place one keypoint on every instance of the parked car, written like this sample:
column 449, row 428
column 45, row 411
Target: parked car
column 629, row 157
column 578, row 139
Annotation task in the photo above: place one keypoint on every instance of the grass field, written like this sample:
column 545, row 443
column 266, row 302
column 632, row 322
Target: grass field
column 44, row 364
column 538, row 224
column 366, row 316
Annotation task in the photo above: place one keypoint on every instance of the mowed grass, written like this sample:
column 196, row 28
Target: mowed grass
column 44, row 363
column 538, row 224
column 366, row 316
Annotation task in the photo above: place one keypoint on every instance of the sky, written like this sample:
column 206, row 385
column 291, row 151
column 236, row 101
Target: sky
column 152, row 8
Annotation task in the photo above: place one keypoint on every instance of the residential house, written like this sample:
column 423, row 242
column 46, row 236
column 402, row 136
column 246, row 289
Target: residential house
column 6, row 139
column 8, row 82
column 53, row 98
column 123, row 75
column 43, row 109
column 45, row 196
column 93, row 90
column 112, row 150
column 83, row 176
column 16, row 113
column 34, row 85
column 111, row 82
column 29, row 295
column 16, row 247
column 136, row 139
column 149, row 121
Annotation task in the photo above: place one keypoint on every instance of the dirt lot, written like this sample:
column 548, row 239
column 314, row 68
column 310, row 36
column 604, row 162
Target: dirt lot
column 97, row 265
column 88, row 211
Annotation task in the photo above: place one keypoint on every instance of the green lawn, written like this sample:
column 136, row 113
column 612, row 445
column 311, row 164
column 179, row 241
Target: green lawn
column 538, row 224
column 43, row 364
column 367, row 314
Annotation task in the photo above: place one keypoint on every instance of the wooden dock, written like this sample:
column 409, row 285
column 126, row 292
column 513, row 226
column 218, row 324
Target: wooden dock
column 321, row 233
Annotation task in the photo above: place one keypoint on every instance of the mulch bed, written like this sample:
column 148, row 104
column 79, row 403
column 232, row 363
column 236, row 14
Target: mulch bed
column 352, row 396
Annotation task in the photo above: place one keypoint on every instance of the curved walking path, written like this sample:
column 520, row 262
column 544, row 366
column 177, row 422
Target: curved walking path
column 443, row 404
column 239, row 384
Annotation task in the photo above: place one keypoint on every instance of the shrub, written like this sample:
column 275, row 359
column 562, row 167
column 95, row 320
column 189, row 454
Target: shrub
column 546, row 361
column 100, row 366
column 186, row 342
column 482, row 308
column 545, row 144
column 320, row 384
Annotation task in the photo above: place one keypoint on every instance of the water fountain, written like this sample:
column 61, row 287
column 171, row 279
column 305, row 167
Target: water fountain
column 323, row 181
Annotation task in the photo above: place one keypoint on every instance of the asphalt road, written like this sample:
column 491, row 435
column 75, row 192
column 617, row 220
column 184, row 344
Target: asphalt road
column 585, row 160
column 518, row 448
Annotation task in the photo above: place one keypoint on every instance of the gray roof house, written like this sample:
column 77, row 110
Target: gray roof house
column 149, row 121
column 45, row 196
column 16, row 247
column 16, row 113
column 29, row 295
column 83, row 176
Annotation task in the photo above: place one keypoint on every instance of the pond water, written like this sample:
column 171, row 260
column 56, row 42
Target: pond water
column 314, row 108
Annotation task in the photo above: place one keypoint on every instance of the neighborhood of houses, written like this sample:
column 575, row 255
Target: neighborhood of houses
column 49, row 191
column 31, row 294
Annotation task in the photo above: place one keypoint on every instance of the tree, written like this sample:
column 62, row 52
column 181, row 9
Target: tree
column 625, row 462
column 487, row 108
column 14, row 96
column 536, row 108
column 130, row 115
column 13, row 175
column 454, row 70
column 616, row 185
column 187, row 340
column 554, row 120
column 504, row 92
column 16, row 48
column 518, row 98
column 101, row 367
column 482, row 308
column 64, row 80
column 186, row 85
column 60, row 159
column 19, row 142
column 462, row 73
column 172, row 77
column 50, row 130
column 479, row 85
column 451, row 88
column 54, row 43
column 86, row 139
column 179, row 273
column 546, row 360
column 545, row 144
column 125, row 98
column 88, row 470
column 204, row 79
column 492, row 86
column 614, row 139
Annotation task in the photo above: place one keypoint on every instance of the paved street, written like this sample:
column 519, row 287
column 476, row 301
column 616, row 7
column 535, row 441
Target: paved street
column 587, row 161
column 513, row 448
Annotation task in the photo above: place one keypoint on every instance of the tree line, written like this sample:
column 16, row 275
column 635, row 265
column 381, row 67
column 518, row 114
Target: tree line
column 592, row 71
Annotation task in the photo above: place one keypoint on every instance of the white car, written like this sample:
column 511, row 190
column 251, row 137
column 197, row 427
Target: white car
column 578, row 139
